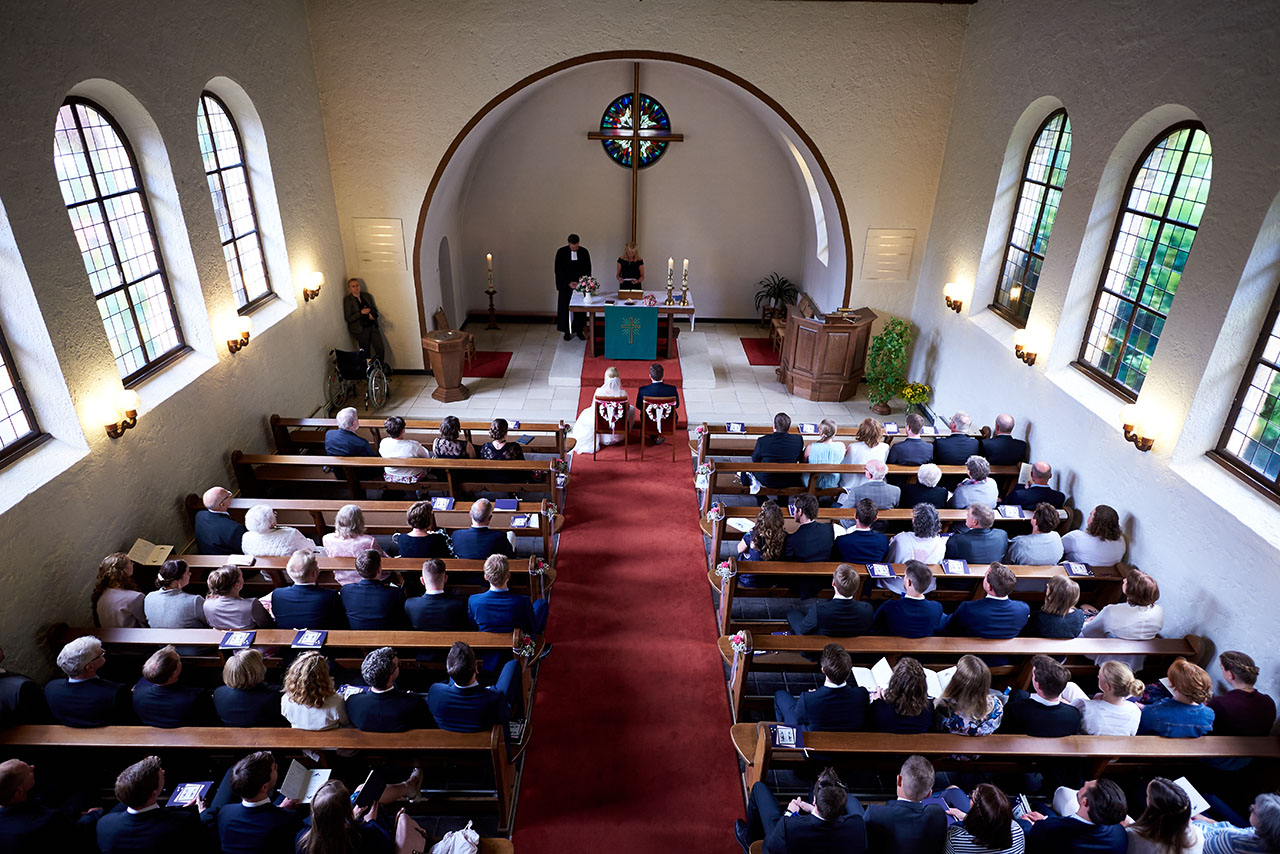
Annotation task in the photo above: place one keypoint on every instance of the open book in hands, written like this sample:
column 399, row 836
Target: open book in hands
column 302, row 783
column 877, row 678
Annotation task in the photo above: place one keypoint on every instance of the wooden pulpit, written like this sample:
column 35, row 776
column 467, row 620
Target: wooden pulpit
column 446, row 349
column 825, row 357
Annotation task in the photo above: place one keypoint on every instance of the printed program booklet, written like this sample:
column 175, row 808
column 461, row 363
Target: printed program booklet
column 808, row 428
column 302, row 783
column 149, row 554
column 309, row 639
column 237, row 640
column 786, row 737
column 185, row 794
column 955, row 567
column 878, row 675
column 442, row 504
column 880, row 570
column 735, row 427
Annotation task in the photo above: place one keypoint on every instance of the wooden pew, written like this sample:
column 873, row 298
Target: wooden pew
column 787, row 653
column 258, row 472
column 315, row 516
column 715, row 440
column 1100, row 752
column 410, row 747
column 1102, row 588
column 298, row 435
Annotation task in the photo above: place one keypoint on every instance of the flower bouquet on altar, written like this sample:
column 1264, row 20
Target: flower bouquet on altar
column 588, row 286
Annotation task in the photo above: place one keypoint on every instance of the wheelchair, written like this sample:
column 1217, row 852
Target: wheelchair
column 348, row 369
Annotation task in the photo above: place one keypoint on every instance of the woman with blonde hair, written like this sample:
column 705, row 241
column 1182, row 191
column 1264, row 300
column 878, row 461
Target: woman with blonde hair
column 348, row 539
column 1059, row 617
column 311, row 701
column 117, row 602
column 1110, row 712
column 1184, row 715
column 765, row 541
column 824, row 450
column 223, row 607
column 244, row 699
column 903, row 705
column 630, row 269
column 584, row 428
column 868, row 444
column 967, row 706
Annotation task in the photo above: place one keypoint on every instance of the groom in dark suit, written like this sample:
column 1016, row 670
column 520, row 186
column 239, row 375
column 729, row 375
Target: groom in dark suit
column 657, row 388
column 572, row 263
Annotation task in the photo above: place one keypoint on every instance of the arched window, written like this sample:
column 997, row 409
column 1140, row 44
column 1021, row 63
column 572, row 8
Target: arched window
column 223, row 154
column 1149, row 248
column 1250, row 440
column 18, row 430
column 1042, row 180
column 100, row 184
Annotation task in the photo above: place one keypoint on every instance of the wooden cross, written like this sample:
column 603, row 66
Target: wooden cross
column 634, row 135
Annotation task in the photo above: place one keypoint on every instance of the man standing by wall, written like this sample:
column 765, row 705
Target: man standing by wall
column 572, row 263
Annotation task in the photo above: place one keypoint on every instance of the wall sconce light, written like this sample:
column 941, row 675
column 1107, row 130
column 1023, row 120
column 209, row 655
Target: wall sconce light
column 316, row 280
column 1135, row 429
column 951, row 293
column 124, row 415
column 238, row 334
column 1021, row 347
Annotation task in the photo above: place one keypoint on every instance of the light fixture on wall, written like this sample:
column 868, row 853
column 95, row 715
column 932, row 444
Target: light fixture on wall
column 315, row 280
column 238, row 333
column 1022, row 347
column 1136, row 429
column 951, row 292
column 124, row 414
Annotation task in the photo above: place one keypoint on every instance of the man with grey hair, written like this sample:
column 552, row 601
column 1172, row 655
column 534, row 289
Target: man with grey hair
column 978, row 488
column 1001, row 448
column 345, row 442
column 384, row 707
column 1263, row 833
column 954, row 449
column 926, row 489
column 85, row 699
column 479, row 541
column 977, row 541
column 216, row 532
column 1038, row 491
column 873, row 487
column 306, row 605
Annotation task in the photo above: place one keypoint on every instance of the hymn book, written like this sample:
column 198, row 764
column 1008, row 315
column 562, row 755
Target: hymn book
column 878, row 675
column 891, row 428
column 808, row 429
column 505, row 504
column 149, row 554
column 1077, row 568
column 521, row 521
column 525, row 439
column 1010, row 511
column 186, row 794
column 785, row 737
column 442, row 504
column 302, row 783
column 735, row 427
column 237, row 640
column 955, row 567
column 349, row 691
column 739, row 524
column 880, row 570
column 309, row 639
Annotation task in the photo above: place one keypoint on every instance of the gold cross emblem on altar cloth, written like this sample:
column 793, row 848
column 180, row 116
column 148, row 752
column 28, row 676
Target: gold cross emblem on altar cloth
column 629, row 328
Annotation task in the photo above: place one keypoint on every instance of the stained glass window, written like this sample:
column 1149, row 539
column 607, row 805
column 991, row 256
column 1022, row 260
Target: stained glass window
column 112, row 221
column 618, row 116
column 224, row 167
column 1251, row 437
column 18, row 430
column 1042, row 181
column 1149, row 249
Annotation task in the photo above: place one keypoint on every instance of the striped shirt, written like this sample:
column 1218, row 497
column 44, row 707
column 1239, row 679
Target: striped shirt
column 1223, row 837
column 961, row 841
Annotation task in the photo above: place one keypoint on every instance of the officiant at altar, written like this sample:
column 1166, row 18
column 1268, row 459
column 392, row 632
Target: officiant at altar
column 572, row 263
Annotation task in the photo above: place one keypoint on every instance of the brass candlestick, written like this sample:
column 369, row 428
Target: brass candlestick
column 684, row 288
column 670, row 287
column 493, row 317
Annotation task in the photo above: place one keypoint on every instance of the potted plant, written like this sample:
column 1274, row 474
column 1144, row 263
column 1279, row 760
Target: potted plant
column 775, row 292
column 887, row 364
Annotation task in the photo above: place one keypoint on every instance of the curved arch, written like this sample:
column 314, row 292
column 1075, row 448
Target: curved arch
column 630, row 55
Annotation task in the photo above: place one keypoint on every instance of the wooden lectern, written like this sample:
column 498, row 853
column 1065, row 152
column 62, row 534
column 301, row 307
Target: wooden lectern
column 824, row 357
column 446, row 349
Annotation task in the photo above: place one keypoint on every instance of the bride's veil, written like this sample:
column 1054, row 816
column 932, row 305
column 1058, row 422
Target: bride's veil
column 612, row 388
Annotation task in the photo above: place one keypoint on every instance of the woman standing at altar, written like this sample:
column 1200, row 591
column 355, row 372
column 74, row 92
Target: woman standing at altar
column 584, row 429
column 630, row 269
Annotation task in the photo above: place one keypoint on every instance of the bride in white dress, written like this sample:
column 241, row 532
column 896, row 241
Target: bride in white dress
column 584, row 429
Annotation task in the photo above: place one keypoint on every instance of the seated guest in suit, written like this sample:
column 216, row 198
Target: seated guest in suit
column 836, row 706
column 924, row 542
column 1100, row 542
column 954, row 449
column 158, row 699
column 372, row 604
column 1042, row 546
column 824, row 450
column 861, row 544
column 223, row 607
column 348, row 539
column 1038, row 490
column 216, row 532
column 244, row 699
column 479, row 541
column 841, row 616
column 84, row 699
column 926, row 489
column 21, row 699
column 435, row 610
column 987, row 827
column 117, row 601
column 1059, row 617
column 766, row 541
column 911, row 451
column 1111, row 713
column 27, row 825
column 967, row 706
column 657, row 388
column 500, row 610
column 1165, row 825
column 978, row 540
column 811, row 541
column 1263, row 833
column 1095, row 826
column 144, row 825
column 1184, row 715
column 903, row 705
column 1044, row 713
column 463, row 704
column 246, row 820
column 833, row 822
column 384, row 707
column 344, row 441
column 396, row 447
column 304, row 604
column 911, row 616
column 868, row 444
column 425, row 539
column 978, row 487
column 872, row 487
column 905, row 825
column 311, row 701
column 995, row 615
column 168, row 607
column 1243, row 710
column 1000, row 448
column 780, row 446
column 1139, row 617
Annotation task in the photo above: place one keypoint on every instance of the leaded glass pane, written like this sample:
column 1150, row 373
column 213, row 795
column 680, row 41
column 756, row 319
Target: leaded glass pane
column 16, row 421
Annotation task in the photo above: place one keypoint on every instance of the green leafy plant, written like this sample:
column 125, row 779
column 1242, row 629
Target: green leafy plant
column 887, row 362
column 915, row 393
column 776, row 290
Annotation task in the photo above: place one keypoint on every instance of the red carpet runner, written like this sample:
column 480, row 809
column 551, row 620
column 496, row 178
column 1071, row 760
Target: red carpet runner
column 630, row 749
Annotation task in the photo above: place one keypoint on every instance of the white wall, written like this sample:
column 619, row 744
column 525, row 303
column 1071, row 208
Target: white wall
column 1209, row 540
column 148, row 62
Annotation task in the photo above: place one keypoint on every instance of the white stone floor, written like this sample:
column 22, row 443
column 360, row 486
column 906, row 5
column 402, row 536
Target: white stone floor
column 542, row 380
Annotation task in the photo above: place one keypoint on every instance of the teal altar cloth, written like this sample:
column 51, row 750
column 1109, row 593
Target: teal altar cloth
column 630, row 332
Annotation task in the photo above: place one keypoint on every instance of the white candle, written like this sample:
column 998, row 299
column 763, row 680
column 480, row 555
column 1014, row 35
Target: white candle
column 489, row 258
column 686, row 265
column 671, row 265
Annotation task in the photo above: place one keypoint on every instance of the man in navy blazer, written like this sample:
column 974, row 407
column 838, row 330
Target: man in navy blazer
column 780, row 446
column 372, row 604
column 159, row 701
column 384, row 707
column 216, row 532
column 345, row 441
column 862, row 545
column 1001, row 449
column 143, row 826
column 978, row 541
column 436, row 610
column 657, row 388
column 811, row 541
column 995, row 615
column 912, row 616
column 463, row 704
column 21, row 699
column 304, row 604
column 27, row 825
column 832, row 823
column 1095, row 826
column 1038, row 490
column 906, row 825
column 84, row 699
column 911, row 451
column 1043, row 714
column 842, row 616
column 836, row 706
column 246, row 820
column 479, row 541
column 500, row 610
column 954, row 449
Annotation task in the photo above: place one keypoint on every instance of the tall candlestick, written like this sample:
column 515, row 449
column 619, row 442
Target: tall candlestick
column 671, row 265
column 686, row 266
column 489, row 258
